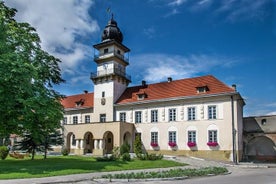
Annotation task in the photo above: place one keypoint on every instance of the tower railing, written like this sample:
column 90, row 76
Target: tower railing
column 110, row 71
column 110, row 54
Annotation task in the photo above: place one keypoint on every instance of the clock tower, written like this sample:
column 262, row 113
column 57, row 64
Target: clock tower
column 110, row 80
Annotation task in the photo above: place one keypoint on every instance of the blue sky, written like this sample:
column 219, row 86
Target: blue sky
column 234, row 40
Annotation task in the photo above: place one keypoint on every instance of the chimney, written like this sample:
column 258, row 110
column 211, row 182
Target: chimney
column 144, row 83
column 169, row 79
column 85, row 91
column 234, row 86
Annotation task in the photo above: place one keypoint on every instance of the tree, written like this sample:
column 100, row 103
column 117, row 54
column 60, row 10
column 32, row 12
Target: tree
column 29, row 104
column 138, row 150
column 50, row 140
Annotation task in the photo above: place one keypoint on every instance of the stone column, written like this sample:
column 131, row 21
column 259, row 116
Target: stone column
column 96, row 146
column 100, row 144
column 81, row 144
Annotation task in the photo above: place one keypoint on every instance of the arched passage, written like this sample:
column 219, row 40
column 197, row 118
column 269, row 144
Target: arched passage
column 262, row 146
column 88, row 143
column 128, row 140
column 70, row 141
column 108, row 139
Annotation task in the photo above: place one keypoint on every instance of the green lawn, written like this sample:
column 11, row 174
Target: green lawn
column 61, row 165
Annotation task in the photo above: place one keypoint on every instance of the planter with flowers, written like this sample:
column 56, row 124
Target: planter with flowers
column 191, row 144
column 154, row 145
column 212, row 144
column 173, row 145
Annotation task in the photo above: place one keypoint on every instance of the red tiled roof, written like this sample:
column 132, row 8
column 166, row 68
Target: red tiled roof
column 174, row 89
column 84, row 100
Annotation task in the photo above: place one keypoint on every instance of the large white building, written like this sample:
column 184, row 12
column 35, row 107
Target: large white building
column 198, row 116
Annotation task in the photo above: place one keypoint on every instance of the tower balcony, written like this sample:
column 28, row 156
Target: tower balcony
column 108, row 72
column 98, row 57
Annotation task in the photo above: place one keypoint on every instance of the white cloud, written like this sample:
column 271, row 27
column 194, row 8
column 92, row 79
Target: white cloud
column 59, row 24
column 161, row 66
column 272, row 113
column 177, row 2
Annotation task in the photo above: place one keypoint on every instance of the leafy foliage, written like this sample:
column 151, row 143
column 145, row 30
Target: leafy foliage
column 138, row 145
column 29, row 104
column 4, row 151
column 124, row 148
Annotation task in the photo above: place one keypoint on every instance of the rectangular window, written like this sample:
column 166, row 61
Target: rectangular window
column 87, row 119
column 212, row 136
column 172, row 136
column 65, row 120
column 212, row 112
column 192, row 136
column 102, row 118
column 172, row 114
column 103, row 94
column 75, row 119
column 138, row 116
column 154, row 137
column 105, row 50
column 154, row 116
column 191, row 113
column 122, row 117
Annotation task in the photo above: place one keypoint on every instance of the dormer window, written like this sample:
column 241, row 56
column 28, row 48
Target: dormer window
column 141, row 96
column 79, row 103
column 202, row 89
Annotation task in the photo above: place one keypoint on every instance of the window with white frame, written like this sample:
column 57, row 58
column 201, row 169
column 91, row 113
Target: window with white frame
column 75, row 119
column 192, row 136
column 172, row 136
column 87, row 119
column 212, row 112
column 212, row 136
column 154, row 137
column 138, row 116
column 65, row 120
column 122, row 117
column 102, row 118
column 154, row 115
column 191, row 113
column 172, row 114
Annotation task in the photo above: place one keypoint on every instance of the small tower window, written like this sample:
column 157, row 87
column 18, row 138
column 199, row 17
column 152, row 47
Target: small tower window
column 263, row 121
column 103, row 94
column 119, row 52
column 106, row 51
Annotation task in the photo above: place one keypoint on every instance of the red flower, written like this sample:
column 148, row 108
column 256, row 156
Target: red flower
column 212, row 144
column 191, row 144
column 154, row 144
column 172, row 144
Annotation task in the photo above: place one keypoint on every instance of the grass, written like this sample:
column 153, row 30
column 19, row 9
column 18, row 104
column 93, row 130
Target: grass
column 64, row 165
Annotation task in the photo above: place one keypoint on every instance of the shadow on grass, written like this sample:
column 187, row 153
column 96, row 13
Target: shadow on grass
column 54, row 166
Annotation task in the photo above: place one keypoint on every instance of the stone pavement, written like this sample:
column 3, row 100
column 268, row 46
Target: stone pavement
column 87, row 178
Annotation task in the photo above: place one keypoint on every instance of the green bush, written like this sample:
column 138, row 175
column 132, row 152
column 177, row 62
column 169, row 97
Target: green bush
column 147, row 156
column 4, row 151
column 116, row 153
column 65, row 152
column 125, row 148
column 126, row 157
column 138, row 145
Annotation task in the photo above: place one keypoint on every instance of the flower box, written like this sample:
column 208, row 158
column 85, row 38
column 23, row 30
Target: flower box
column 191, row 144
column 154, row 144
column 212, row 144
column 172, row 144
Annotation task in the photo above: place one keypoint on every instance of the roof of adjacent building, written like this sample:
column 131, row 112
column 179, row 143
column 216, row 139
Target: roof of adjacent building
column 158, row 91
column 84, row 100
column 175, row 89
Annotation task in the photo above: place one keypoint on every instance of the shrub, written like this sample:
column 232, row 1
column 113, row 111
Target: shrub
column 147, row 156
column 4, row 151
column 126, row 157
column 116, row 153
column 124, row 148
column 138, row 145
column 65, row 152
